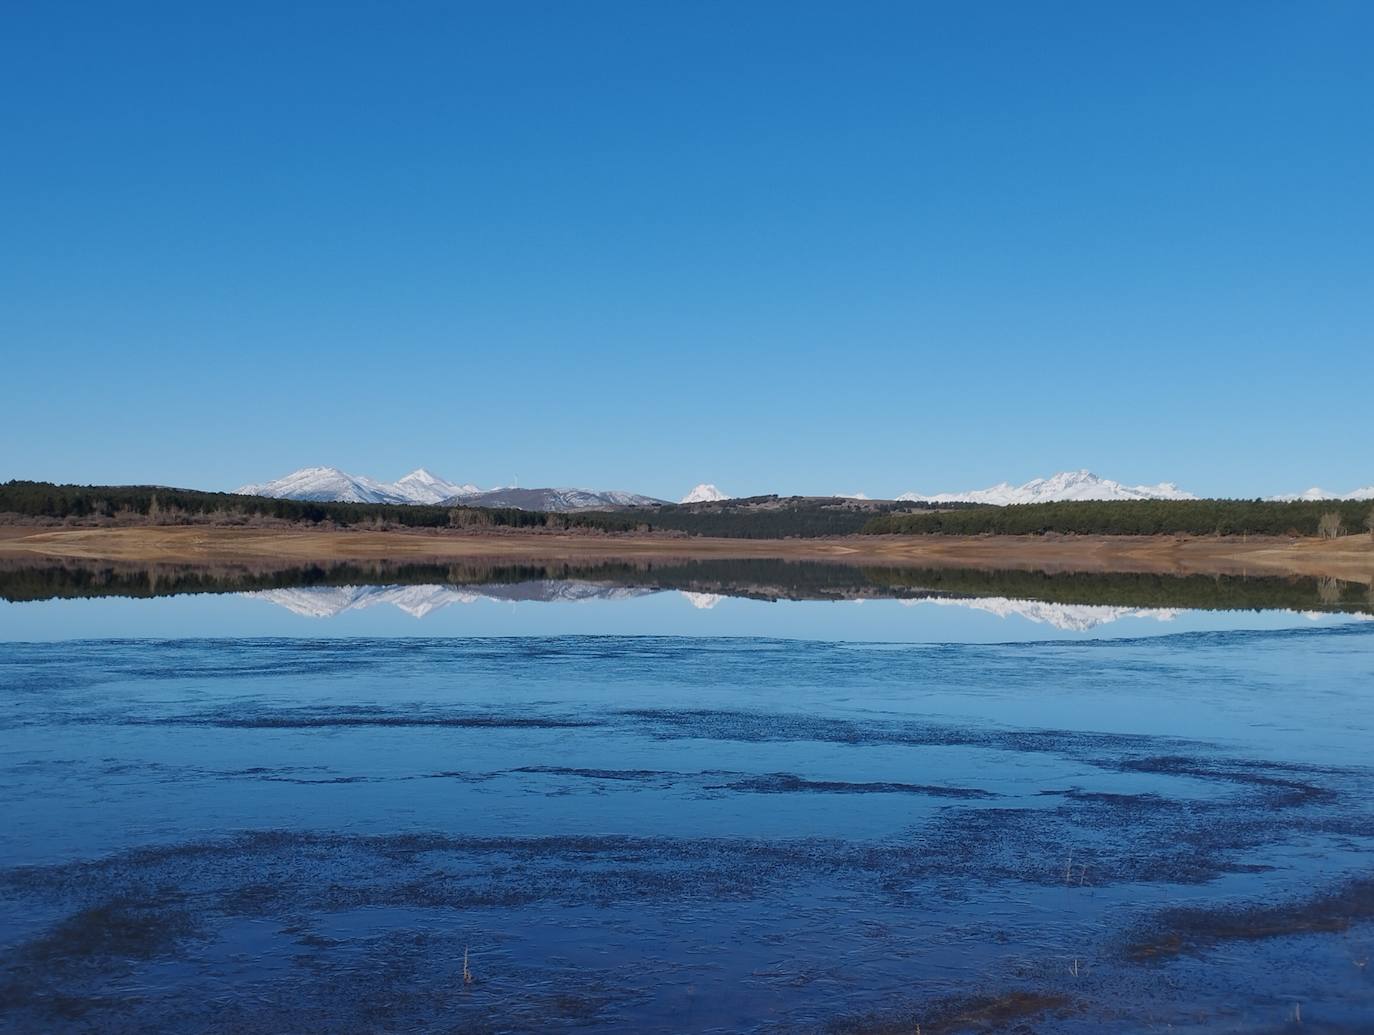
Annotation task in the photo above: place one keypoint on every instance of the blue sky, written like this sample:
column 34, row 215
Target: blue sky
column 782, row 247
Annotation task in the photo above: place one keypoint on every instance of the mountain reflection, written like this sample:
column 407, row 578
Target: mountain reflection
column 1064, row 600
column 421, row 601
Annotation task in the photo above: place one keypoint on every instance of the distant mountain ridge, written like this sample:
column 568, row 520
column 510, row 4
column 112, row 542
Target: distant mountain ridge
column 331, row 485
column 1314, row 493
column 1066, row 485
column 557, row 501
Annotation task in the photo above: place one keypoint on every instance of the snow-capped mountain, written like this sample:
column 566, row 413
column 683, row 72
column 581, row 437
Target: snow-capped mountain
column 1067, row 485
column 555, row 500
column 705, row 493
column 420, row 486
column 326, row 485
column 1314, row 493
column 331, row 485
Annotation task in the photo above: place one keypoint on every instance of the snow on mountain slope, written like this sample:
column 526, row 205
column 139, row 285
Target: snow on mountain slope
column 331, row 485
column 555, row 500
column 325, row 485
column 1067, row 485
column 1314, row 493
column 705, row 493
column 423, row 487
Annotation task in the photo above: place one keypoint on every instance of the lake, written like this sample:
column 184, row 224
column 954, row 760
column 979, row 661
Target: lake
column 715, row 796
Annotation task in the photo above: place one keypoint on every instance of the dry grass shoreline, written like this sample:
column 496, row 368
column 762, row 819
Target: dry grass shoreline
column 1350, row 558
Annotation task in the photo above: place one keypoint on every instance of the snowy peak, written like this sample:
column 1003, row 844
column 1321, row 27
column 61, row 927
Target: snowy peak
column 1314, row 493
column 1066, row 485
column 421, row 486
column 560, row 500
column 705, row 493
column 331, row 485
column 325, row 485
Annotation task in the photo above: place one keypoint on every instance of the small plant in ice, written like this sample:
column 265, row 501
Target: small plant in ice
column 1068, row 871
column 467, row 974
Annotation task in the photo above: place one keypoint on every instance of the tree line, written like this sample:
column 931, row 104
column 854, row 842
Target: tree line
column 97, row 504
column 758, row 518
column 762, row 518
column 1326, row 518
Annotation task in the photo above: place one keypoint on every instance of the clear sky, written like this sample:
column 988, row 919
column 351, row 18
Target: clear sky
column 779, row 246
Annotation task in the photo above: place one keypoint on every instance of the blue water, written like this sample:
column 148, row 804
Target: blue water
column 657, row 813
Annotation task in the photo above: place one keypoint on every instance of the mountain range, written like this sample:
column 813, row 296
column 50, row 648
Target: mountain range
column 558, row 501
column 329, row 484
column 1314, row 493
column 1067, row 485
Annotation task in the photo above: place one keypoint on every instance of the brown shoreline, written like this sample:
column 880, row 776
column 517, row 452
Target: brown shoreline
column 1350, row 558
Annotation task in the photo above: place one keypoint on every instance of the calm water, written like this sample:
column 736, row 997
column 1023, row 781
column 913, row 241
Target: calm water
column 809, row 799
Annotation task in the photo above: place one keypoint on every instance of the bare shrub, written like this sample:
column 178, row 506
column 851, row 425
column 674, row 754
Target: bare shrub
column 1330, row 525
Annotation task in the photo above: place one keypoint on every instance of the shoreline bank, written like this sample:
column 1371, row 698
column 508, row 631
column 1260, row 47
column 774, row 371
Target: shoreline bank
column 1350, row 558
